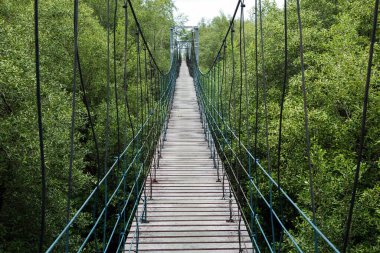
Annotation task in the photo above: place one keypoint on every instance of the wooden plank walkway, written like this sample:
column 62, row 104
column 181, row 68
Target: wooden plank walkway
column 187, row 212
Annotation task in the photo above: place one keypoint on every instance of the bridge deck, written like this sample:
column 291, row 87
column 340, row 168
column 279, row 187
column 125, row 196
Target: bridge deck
column 187, row 212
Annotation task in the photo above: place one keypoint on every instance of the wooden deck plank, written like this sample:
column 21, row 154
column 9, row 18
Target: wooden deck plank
column 187, row 212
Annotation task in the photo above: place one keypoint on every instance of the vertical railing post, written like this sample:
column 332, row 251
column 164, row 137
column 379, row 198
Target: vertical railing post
column 144, row 217
column 171, row 44
column 217, row 170
column 196, row 43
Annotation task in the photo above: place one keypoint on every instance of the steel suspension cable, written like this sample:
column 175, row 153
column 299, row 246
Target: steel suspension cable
column 247, row 115
column 115, row 84
column 140, row 113
column 73, row 113
column 283, row 92
column 306, row 119
column 242, row 5
column 219, row 95
column 224, row 76
column 233, row 71
column 214, row 89
column 107, row 128
column 256, row 104
column 146, row 85
column 92, row 126
column 264, row 80
column 40, row 129
column 362, row 129
column 230, row 97
column 142, row 36
column 127, row 108
column 282, row 100
column 145, row 114
column 241, row 70
column 233, row 74
column 127, row 112
column 139, row 138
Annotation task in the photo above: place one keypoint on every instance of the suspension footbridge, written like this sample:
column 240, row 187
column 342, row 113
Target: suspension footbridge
column 186, row 175
column 186, row 208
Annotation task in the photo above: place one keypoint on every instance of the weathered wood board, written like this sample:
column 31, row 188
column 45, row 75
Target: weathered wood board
column 187, row 212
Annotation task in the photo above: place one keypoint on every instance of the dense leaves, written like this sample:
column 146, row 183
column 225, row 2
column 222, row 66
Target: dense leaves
column 20, row 178
column 336, row 43
column 336, row 40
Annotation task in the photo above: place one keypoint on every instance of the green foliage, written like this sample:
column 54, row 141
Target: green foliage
column 211, row 36
column 20, row 180
column 336, row 38
column 336, row 41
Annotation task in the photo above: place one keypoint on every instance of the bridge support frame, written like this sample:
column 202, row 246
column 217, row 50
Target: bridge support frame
column 176, row 44
column 196, row 42
column 171, row 44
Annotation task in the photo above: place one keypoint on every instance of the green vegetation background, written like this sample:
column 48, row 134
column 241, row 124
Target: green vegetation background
column 336, row 39
column 336, row 44
column 20, row 180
